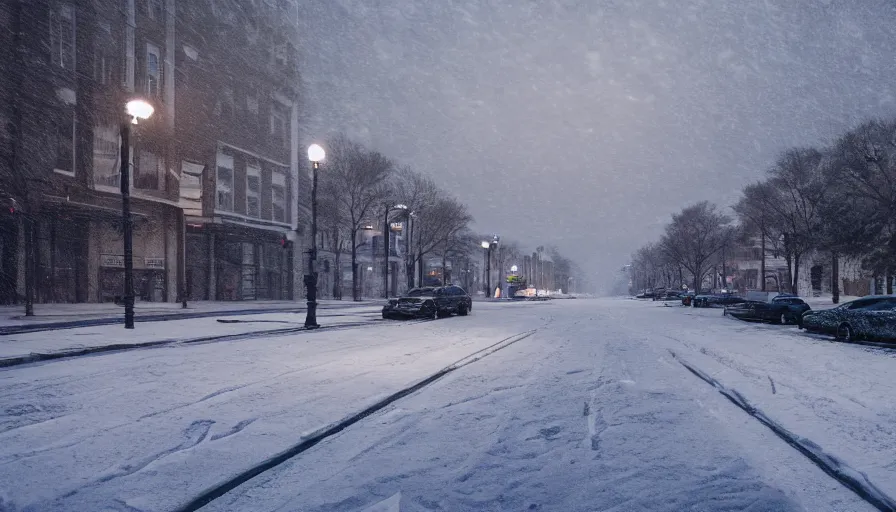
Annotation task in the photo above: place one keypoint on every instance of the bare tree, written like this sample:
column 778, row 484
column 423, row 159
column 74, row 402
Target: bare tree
column 419, row 193
column 358, row 181
column 435, row 226
column 867, row 157
column 694, row 237
column 799, row 181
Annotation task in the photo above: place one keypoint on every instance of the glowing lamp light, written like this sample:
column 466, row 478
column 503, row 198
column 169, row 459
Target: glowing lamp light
column 316, row 153
column 485, row 245
column 139, row 109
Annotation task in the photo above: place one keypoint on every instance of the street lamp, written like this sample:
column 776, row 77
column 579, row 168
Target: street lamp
column 315, row 155
column 389, row 209
column 135, row 109
column 488, row 246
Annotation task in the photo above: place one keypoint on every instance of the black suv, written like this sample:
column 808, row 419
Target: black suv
column 430, row 302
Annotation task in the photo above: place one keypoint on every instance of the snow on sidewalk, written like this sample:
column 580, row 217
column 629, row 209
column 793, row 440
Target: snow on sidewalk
column 68, row 340
column 152, row 429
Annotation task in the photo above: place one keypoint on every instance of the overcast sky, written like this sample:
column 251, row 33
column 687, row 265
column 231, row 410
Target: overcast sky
column 587, row 123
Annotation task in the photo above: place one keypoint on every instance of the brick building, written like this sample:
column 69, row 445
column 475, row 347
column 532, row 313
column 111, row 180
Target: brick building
column 215, row 175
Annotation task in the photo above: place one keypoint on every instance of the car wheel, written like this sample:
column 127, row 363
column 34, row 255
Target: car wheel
column 432, row 312
column 783, row 320
column 462, row 311
column 844, row 333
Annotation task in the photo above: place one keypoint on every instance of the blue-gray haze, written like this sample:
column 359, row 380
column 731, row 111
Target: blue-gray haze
column 586, row 123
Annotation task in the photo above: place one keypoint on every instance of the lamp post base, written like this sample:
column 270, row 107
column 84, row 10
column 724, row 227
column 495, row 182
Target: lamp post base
column 311, row 312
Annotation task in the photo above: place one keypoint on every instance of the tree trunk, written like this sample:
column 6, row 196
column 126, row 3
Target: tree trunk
column 409, row 271
column 835, row 278
column 889, row 282
column 795, row 284
column 444, row 270
column 337, row 274
column 697, row 279
column 788, row 257
column 356, row 295
column 420, row 269
column 762, row 261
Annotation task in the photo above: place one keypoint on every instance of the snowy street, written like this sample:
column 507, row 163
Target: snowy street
column 592, row 411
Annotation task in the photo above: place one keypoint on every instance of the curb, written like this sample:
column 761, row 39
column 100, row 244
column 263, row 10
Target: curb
column 160, row 317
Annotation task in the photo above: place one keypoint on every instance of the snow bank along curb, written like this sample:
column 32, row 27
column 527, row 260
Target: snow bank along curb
column 35, row 357
column 164, row 317
column 315, row 437
column 851, row 478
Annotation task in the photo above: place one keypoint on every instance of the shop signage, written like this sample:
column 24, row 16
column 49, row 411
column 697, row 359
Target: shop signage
column 154, row 263
column 112, row 260
column 396, row 227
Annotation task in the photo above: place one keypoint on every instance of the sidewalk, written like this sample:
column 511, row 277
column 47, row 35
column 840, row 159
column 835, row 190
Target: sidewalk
column 23, row 347
column 66, row 316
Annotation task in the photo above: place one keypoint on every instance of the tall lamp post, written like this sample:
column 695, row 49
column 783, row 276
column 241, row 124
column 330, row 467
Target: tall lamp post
column 488, row 246
column 386, row 230
column 136, row 109
column 315, row 155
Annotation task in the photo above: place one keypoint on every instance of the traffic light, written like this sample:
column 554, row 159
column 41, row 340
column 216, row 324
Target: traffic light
column 285, row 243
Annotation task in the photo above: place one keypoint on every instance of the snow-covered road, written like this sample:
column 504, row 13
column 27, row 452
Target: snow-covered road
column 591, row 412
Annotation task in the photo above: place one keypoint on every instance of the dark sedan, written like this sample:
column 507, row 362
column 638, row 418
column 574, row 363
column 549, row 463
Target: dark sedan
column 870, row 318
column 430, row 302
column 782, row 310
column 716, row 299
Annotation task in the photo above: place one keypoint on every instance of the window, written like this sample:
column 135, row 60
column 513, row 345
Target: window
column 65, row 142
column 153, row 70
column 253, row 190
column 106, row 152
column 62, row 36
column 224, row 184
column 154, row 9
column 150, row 172
column 252, row 104
column 278, row 195
column 279, row 124
column 104, row 54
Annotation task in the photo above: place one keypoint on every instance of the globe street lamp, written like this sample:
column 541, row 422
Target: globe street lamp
column 386, row 230
column 135, row 109
column 315, row 154
column 488, row 246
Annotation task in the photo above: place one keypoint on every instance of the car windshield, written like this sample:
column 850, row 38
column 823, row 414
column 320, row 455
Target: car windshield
column 420, row 292
column 318, row 255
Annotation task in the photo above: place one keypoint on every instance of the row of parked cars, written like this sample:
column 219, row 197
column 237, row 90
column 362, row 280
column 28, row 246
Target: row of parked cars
column 871, row 318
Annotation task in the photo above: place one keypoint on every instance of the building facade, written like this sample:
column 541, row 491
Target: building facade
column 214, row 172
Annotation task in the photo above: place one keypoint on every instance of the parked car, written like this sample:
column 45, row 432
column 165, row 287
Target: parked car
column 783, row 309
column 430, row 302
column 870, row 318
column 716, row 299
column 646, row 294
column 668, row 295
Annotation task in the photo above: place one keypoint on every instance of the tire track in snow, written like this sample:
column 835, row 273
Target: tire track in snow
column 851, row 478
column 314, row 438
